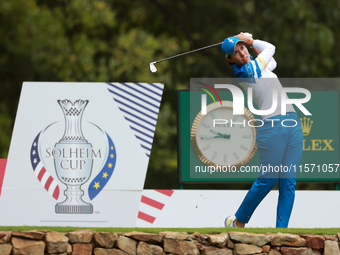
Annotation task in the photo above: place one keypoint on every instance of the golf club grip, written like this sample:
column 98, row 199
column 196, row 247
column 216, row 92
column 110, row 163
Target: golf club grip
column 206, row 47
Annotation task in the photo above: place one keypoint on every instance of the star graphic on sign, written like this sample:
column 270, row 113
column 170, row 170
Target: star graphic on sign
column 96, row 185
column 111, row 147
column 33, row 152
column 112, row 156
column 35, row 161
column 105, row 175
column 109, row 165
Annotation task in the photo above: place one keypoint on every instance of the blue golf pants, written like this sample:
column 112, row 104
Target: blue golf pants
column 280, row 153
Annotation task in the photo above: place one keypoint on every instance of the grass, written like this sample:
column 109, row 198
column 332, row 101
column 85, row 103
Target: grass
column 316, row 231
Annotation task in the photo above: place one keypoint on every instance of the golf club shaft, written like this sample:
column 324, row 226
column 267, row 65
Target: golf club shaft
column 206, row 47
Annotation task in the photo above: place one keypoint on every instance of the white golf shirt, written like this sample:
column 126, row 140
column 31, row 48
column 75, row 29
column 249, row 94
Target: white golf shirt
column 258, row 75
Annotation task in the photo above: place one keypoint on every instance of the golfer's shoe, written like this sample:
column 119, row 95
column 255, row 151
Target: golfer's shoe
column 230, row 222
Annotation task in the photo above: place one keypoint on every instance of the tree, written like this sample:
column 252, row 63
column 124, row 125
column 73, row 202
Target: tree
column 102, row 41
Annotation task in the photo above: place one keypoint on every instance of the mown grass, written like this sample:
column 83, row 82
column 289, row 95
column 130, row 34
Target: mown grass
column 317, row 231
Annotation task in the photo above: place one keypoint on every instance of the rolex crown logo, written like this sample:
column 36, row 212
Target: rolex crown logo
column 306, row 125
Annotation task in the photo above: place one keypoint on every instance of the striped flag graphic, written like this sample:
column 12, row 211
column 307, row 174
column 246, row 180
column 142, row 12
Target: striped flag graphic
column 46, row 180
column 152, row 204
column 139, row 103
column 3, row 163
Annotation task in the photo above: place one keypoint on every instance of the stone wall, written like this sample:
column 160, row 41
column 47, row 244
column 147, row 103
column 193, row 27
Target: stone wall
column 86, row 242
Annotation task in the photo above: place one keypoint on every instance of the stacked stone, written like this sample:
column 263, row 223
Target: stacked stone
column 87, row 242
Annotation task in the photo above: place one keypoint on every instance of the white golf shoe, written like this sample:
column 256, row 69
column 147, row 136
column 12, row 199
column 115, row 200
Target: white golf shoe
column 230, row 222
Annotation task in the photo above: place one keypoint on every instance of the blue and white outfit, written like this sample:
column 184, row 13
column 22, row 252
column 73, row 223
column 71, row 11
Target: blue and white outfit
column 277, row 145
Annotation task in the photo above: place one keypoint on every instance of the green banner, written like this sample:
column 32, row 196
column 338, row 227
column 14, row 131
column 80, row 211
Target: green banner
column 320, row 160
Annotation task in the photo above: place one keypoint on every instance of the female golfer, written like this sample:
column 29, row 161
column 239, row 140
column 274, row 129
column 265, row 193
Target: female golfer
column 278, row 145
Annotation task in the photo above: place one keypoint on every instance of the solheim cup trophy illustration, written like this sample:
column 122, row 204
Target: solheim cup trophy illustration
column 72, row 159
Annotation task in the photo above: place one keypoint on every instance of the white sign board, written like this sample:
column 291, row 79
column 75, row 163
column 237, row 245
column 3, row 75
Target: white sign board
column 209, row 208
column 79, row 153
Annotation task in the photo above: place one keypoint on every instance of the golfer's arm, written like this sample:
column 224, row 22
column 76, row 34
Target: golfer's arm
column 272, row 63
column 265, row 52
column 257, row 51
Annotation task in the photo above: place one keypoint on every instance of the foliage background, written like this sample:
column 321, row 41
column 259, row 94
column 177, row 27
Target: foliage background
column 102, row 41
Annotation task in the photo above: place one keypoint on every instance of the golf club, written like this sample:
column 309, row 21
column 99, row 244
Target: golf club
column 154, row 69
column 152, row 64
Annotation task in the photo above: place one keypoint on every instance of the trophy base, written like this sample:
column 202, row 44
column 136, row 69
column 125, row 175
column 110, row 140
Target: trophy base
column 77, row 209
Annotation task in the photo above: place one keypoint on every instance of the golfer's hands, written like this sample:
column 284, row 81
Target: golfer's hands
column 244, row 37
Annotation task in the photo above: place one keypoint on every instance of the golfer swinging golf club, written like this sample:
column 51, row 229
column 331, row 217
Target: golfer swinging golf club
column 277, row 145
